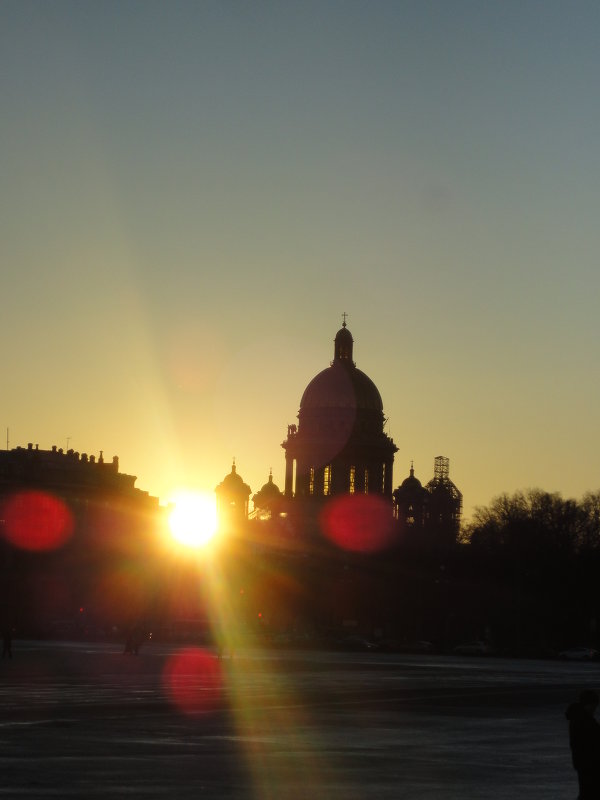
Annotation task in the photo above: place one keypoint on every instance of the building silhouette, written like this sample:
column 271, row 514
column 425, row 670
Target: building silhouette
column 76, row 476
column 232, row 499
column 269, row 500
column 444, row 505
column 290, row 563
column 434, row 509
column 339, row 445
column 410, row 503
column 77, row 539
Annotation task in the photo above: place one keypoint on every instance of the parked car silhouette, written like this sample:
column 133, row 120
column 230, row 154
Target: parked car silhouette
column 472, row 649
column 579, row 654
column 414, row 647
column 357, row 643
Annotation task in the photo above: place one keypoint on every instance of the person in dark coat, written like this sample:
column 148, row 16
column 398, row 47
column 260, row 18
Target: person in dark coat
column 584, row 738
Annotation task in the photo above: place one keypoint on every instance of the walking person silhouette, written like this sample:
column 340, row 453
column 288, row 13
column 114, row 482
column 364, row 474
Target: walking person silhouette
column 584, row 739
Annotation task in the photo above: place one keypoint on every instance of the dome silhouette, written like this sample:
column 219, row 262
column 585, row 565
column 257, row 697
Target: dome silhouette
column 339, row 444
column 342, row 385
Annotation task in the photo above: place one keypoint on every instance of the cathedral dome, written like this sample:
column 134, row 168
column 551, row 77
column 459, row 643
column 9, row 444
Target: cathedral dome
column 269, row 494
column 339, row 445
column 233, row 484
column 269, row 489
column 342, row 385
column 411, row 482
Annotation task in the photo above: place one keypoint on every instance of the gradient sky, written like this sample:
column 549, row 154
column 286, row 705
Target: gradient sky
column 193, row 192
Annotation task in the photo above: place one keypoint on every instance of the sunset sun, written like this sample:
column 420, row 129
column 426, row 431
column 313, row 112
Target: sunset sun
column 193, row 521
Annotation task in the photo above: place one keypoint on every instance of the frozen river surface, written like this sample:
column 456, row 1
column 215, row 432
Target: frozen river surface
column 85, row 721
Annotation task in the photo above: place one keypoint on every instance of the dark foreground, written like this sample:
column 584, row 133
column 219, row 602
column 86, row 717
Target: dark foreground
column 86, row 721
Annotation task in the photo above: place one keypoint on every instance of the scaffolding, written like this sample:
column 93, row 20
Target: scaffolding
column 445, row 504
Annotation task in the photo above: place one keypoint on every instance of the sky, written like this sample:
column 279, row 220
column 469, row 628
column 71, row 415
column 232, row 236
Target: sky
column 193, row 192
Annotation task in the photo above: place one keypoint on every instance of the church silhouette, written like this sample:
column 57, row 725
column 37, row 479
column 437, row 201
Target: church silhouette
column 339, row 448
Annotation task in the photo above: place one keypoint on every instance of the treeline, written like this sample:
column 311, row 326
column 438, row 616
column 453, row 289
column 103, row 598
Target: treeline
column 523, row 577
column 537, row 519
column 532, row 560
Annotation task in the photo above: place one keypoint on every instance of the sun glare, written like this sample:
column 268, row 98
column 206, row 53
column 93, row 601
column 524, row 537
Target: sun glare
column 193, row 521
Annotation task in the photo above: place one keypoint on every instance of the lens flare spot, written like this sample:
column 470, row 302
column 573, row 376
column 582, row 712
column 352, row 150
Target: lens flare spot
column 362, row 523
column 193, row 682
column 35, row 520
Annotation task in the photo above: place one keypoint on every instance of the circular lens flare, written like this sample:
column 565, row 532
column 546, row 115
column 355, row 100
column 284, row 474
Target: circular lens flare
column 362, row 523
column 192, row 680
column 35, row 520
column 193, row 521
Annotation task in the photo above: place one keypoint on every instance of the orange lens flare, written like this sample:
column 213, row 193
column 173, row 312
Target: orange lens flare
column 35, row 520
column 361, row 523
column 193, row 682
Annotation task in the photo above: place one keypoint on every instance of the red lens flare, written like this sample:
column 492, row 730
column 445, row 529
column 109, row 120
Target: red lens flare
column 193, row 682
column 362, row 523
column 35, row 520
